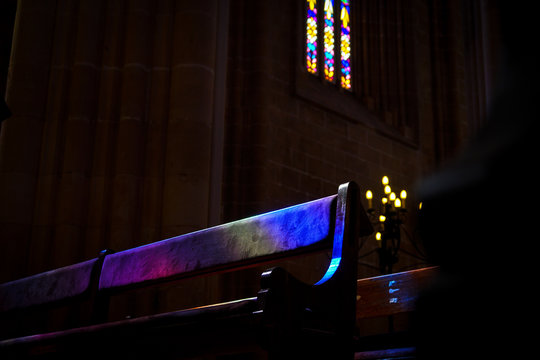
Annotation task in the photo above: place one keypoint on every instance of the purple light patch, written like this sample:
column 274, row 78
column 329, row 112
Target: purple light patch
column 268, row 234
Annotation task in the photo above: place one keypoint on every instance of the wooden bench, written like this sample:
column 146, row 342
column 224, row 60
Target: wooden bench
column 386, row 296
column 286, row 319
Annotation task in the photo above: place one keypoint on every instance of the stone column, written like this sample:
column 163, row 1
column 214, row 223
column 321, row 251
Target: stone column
column 189, row 132
column 21, row 135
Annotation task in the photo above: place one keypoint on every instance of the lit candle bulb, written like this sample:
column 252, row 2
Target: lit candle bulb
column 397, row 203
column 378, row 236
column 369, row 197
column 403, row 196
column 392, row 196
column 387, row 189
column 385, row 180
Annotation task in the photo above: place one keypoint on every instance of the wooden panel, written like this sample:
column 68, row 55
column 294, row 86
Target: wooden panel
column 54, row 285
column 237, row 242
column 399, row 353
column 391, row 294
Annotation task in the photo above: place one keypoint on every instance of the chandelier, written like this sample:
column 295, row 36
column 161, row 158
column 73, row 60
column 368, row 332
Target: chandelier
column 387, row 216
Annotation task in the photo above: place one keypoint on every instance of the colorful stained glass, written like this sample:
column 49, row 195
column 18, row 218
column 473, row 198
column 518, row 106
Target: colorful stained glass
column 345, row 45
column 311, row 37
column 329, row 40
column 343, row 63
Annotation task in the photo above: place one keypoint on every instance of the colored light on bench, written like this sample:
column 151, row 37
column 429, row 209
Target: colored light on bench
column 240, row 242
column 339, row 232
column 334, row 265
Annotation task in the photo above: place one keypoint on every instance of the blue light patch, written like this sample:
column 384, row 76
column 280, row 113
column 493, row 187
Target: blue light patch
column 391, row 290
column 334, row 264
column 338, row 245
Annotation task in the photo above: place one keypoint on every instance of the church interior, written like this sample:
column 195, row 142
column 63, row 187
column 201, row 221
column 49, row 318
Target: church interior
column 128, row 122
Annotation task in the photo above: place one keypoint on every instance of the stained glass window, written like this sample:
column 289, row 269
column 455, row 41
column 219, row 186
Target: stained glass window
column 329, row 40
column 311, row 37
column 335, row 65
column 345, row 45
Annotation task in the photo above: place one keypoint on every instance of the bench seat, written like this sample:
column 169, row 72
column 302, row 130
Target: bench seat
column 198, row 328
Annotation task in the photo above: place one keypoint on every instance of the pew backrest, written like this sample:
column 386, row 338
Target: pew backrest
column 312, row 226
column 296, row 229
column 53, row 286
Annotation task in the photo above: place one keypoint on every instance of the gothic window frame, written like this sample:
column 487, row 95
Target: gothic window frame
column 358, row 105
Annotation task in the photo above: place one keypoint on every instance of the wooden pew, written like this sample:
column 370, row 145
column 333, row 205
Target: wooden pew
column 286, row 319
column 386, row 296
column 32, row 305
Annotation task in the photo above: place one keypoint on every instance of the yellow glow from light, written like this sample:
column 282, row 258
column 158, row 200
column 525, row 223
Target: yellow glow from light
column 387, row 189
column 378, row 236
column 420, row 206
column 382, row 218
column 403, row 194
column 385, row 180
column 384, row 200
column 397, row 203
column 369, row 197
column 392, row 196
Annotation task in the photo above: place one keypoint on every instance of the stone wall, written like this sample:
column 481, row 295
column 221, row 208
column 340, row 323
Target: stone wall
column 134, row 121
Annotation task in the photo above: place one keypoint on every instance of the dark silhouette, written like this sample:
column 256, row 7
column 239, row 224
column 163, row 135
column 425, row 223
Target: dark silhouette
column 478, row 218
